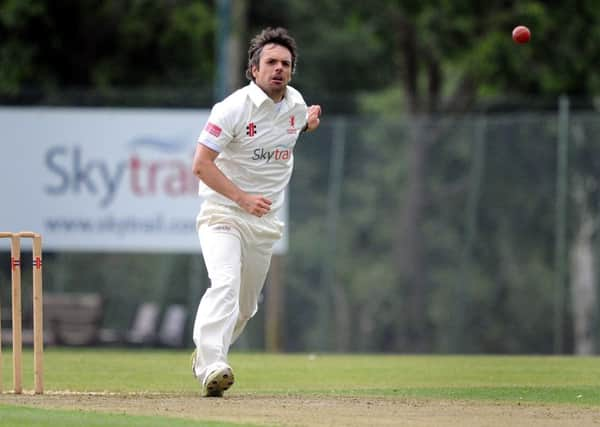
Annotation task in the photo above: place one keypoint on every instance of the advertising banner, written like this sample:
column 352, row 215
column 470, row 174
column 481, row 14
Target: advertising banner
column 103, row 179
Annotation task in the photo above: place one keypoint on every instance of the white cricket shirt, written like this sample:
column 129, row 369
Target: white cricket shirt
column 255, row 139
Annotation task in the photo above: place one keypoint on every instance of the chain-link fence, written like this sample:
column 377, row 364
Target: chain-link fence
column 472, row 233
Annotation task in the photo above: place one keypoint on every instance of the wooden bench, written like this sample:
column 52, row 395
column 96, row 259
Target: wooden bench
column 72, row 318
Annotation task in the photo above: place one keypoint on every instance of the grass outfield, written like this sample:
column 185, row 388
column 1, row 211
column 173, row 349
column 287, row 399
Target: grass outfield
column 537, row 379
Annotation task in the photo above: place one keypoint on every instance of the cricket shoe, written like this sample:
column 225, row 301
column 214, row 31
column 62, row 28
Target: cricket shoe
column 217, row 381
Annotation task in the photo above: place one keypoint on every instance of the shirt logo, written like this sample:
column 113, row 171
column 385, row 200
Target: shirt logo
column 213, row 129
column 251, row 129
column 292, row 128
column 280, row 153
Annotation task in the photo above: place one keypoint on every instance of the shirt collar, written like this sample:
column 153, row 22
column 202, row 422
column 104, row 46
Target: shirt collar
column 258, row 96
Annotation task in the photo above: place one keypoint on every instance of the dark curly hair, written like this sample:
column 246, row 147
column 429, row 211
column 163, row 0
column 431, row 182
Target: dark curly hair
column 269, row 35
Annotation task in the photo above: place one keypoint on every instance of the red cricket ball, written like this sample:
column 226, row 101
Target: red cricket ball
column 521, row 34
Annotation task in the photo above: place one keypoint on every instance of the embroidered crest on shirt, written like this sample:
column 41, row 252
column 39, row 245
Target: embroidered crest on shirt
column 213, row 129
column 251, row 129
column 292, row 128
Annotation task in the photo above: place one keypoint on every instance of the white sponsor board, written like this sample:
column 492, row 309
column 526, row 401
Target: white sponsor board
column 103, row 179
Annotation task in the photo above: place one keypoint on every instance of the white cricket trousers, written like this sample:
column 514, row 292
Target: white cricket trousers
column 237, row 249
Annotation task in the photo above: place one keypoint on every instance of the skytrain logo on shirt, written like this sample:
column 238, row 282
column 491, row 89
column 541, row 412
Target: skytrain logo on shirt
column 281, row 153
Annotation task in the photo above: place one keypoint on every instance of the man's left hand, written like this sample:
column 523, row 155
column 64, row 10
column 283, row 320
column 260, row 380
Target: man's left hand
column 313, row 117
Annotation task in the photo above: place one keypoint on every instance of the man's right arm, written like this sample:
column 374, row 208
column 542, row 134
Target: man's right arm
column 205, row 169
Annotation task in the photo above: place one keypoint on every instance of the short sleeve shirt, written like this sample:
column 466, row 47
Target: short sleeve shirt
column 255, row 139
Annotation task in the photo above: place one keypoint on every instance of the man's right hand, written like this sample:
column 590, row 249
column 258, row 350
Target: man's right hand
column 255, row 205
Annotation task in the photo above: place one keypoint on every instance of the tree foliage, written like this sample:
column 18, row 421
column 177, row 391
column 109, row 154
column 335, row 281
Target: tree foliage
column 93, row 43
column 407, row 71
column 446, row 55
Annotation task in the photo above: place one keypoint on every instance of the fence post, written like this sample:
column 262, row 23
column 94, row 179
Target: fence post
column 477, row 167
column 328, row 266
column 560, row 225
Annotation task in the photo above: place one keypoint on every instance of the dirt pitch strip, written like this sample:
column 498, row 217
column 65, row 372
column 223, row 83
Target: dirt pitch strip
column 317, row 411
